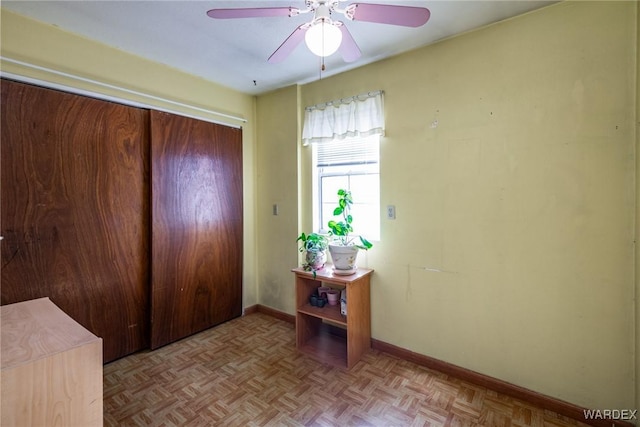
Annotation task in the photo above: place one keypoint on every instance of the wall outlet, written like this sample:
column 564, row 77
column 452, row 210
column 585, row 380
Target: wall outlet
column 391, row 212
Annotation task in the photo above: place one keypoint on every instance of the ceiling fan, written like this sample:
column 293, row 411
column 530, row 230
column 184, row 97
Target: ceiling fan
column 324, row 35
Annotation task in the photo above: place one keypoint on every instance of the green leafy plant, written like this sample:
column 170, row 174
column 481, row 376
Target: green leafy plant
column 314, row 245
column 312, row 242
column 340, row 230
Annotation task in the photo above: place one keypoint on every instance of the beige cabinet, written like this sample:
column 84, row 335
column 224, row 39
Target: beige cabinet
column 51, row 368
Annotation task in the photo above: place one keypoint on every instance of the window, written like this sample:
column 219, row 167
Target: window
column 345, row 136
column 352, row 164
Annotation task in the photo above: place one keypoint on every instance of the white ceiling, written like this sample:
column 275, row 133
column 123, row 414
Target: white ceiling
column 234, row 52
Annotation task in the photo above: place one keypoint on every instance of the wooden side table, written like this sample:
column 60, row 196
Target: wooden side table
column 312, row 335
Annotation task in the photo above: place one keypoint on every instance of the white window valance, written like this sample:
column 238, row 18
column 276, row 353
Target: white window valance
column 357, row 116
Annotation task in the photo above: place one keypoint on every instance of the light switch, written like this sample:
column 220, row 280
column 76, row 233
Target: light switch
column 276, row 209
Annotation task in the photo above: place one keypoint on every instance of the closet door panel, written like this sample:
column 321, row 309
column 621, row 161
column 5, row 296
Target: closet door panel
column 75, row 210
column 196, row 170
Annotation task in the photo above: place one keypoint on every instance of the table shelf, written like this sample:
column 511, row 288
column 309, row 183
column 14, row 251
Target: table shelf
column 344, row 349
column 329, row 312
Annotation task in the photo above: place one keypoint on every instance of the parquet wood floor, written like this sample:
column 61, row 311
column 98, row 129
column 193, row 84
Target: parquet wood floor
column 247, row 372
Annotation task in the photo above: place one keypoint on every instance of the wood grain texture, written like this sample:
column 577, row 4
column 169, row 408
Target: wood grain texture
column 51, row 368
column 247, row 372
column 346, row 349
column 75, row 210
column 36, row 329
column 531, row 397
column 196, row 226
column 358, row 319
column 536, row 408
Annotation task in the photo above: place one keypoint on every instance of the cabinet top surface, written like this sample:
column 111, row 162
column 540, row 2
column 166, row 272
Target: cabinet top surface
column 327, row 274
column 35, row 329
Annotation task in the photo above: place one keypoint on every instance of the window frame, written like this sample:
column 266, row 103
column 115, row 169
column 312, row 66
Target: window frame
column 351, row 170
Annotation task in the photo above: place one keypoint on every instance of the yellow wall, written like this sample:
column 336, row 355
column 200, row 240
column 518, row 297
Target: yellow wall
column 509, row 156
column 637, row 294
column 46, row 46
column 277, row 183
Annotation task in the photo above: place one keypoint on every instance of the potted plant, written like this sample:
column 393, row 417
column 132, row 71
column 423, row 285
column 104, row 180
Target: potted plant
column 315, row 246
column 344, row 248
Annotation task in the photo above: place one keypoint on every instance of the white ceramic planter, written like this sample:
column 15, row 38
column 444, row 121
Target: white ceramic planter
column 343, row 257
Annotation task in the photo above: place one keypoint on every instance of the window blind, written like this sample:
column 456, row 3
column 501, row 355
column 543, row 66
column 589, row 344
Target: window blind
column 353, row 151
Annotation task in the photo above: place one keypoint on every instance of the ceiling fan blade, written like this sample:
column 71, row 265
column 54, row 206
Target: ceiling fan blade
column 252, row 12
column 348, row 48
column 288, row 45
column 407, row 16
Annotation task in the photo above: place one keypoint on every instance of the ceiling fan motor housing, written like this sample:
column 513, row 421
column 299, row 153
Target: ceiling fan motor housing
column 322, row 13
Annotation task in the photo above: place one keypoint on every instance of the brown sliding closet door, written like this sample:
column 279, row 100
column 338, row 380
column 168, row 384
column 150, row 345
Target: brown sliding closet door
column 196, row 262
column 75, row 210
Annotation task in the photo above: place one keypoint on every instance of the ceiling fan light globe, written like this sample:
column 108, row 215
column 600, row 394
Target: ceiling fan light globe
column 323, row 38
